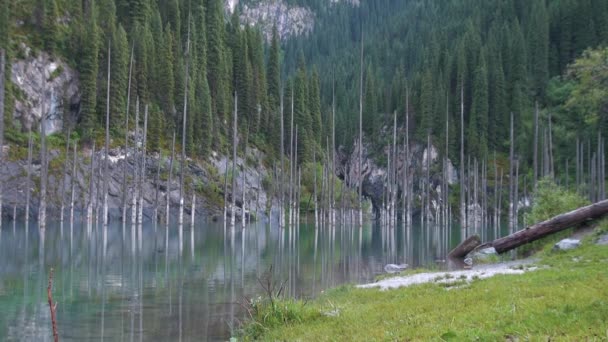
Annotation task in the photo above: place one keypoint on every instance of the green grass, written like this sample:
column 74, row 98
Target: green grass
column 567, row 299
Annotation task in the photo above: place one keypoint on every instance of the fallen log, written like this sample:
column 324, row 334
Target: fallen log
column 465, row 247
column 550, row 226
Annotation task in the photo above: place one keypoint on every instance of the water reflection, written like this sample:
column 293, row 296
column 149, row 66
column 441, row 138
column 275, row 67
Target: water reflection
column 145, row 283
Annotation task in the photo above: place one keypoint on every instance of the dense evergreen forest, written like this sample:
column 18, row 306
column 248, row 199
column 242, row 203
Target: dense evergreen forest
column 177, row 46
column 502, row 56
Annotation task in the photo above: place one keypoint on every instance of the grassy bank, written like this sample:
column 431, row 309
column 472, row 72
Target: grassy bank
column 566, row 299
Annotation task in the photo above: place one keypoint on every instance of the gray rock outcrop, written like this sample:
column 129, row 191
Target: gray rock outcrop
column 43, row 81
column 567, row 244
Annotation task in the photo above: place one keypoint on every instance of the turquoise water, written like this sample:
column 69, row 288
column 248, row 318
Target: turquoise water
column 155, row 284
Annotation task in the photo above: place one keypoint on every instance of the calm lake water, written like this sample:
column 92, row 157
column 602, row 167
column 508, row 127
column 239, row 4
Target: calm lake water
column 155, row 284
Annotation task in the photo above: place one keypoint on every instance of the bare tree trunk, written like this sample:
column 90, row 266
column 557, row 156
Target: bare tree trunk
column 142, row 175
column 125, row 189
column 511, row 175
column 193, row 213
column 134, row 195
column 360, row 173
column 91, row 187
column 550, row 226
column 28, row 182
column 282, row 180
column 168, row 190
column 463, row 210
column 65, row 171
column 107, row 146
column 332, row 200
column 157, row 185
column 535, row 153
column 408, row 182
column 394, row 171
column 234, row 148
column 551, row 161
column 244, row 186
column 184, row 122
column 2, row 77
column 295, row 203
column 314, row 171
column 73, row 186
column 291, row 164
column 43, row 168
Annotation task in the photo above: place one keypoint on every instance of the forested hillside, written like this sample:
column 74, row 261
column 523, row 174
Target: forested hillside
column 498, row 56
column 176, row 47
column 502, row 53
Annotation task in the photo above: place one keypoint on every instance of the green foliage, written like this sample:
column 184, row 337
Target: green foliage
column 551, row 200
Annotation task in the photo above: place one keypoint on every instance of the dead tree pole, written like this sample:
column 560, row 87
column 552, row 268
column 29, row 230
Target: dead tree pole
column 360, row 169
column 234, row 148
column 125, row 190
column 463, row 210
column 73, row 185
column 63, row 175
column 2, row 77
column 142, row 174
column 107, row 145
column 43, row 168
column 168, row 189
column 535, row 147
column 184, row 121
column 28, row 182
column 282, row 180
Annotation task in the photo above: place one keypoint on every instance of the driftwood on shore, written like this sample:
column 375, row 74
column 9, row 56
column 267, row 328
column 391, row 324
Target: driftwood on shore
column 536, row 231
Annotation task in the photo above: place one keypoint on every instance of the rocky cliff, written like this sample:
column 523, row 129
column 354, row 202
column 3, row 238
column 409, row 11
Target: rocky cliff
column 44, row 84
column 206, row 178
column 374, row 176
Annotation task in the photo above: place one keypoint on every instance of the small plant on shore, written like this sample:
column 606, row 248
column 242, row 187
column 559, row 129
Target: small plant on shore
column 273, row 310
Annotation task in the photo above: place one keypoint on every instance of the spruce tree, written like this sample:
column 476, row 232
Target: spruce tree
column 478, row 128
column 538, row 39
column 50, row 30
column 120, row 71
column 315, row 106
column 88, row 73
column 216, row 63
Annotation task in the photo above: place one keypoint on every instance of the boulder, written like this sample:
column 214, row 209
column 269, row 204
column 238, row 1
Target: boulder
column 481, row 255
column 603, row 240
column 567, row 244
column 394, row 268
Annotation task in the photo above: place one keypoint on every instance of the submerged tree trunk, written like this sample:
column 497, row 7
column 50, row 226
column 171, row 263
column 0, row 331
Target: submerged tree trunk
column 107, row 146
column 168, row 190
column 72, row 195
column 142, row 174
column 43, row 170
column 63, row 175
column 125, row 189
column 28, row 182
column 234, row 147
column 360, row 170
column 184, row 121
column 2, row 77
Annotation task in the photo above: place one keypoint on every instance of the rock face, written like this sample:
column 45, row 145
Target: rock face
column 204, row 180
column 290, row 20
column 375, row 176
column 567, row 244
column 44, row 82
